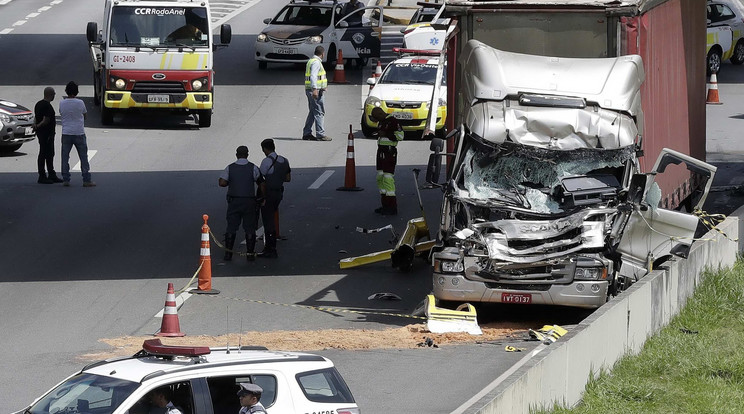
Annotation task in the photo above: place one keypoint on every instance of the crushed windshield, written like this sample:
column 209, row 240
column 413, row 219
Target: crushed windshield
column 159, row 26
column 412, row 73
column 85, row 394
column 304, row 15
column 527, row 177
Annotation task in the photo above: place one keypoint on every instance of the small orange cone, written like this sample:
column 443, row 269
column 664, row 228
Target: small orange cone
column 712, row 98
column 377, row 74
column 276, row 226
column 350, row 178
column 205, row 261
column 339, row 76
column 170, row 325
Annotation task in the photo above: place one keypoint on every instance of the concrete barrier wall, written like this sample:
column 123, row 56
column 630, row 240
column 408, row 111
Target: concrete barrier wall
column 559, row 372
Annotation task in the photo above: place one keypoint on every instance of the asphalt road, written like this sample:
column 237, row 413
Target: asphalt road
column 81, row 264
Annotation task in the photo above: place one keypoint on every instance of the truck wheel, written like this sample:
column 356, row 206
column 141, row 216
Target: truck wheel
column 205, row 118
column 263, row 65
column 107, row 115
column 713, row 62
column 738, row 57
column 367, row 131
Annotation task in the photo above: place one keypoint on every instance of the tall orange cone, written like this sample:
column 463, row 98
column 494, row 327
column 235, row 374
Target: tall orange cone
column 170, row 325
column 712, row 98
column 339, row 75
column 205, row 263
column 350, row 178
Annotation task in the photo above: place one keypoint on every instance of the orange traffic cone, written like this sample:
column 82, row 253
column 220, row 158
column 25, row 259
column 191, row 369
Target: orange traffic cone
column 713, row 91
column 170, row 325
column 205, row 263
column 339, row 76
column 350, row 178
column 276, row 226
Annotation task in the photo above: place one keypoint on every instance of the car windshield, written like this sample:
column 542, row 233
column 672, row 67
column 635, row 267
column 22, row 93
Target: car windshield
column 159, row 26
column 412, row 74
column 85, row 393
column 304, row 15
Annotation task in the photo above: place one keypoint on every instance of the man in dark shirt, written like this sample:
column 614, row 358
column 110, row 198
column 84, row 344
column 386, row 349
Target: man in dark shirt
column 276, row 170
column 45, row 125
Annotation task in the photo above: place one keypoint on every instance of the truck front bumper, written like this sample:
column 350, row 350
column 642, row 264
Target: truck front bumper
column 581, row 294
column 184, row 100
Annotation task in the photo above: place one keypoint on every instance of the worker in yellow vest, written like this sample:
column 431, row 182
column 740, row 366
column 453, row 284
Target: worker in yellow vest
column 316, row 85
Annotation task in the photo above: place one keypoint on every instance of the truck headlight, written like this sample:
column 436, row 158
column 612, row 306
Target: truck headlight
column 314, row 39
column 262, row 38
column 447, row 266
column 590, row 273
column 200, row 84
column 373, row 101
column 5, row 118
column 118, row 83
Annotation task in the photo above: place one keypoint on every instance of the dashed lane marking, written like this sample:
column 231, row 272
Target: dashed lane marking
column 323, row 177
column 29, row 16
column 91, row 153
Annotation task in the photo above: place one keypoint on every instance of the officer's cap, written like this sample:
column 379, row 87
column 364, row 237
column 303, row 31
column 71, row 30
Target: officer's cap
column 250, row 389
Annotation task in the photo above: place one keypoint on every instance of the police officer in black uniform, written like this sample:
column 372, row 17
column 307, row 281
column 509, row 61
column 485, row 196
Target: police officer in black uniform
column 242, row 178
column 276, row 171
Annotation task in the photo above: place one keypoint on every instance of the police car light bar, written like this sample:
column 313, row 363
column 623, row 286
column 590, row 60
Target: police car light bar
column 429, row 52
column 156, row 348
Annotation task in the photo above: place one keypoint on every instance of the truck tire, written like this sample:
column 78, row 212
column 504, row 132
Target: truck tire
column 263, row 65
column 713, row 61
column 205, row 118
column 107, row 115
column 738, row 57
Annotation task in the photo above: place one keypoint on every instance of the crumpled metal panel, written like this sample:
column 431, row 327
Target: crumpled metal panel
column 492, row 74
column 551, row 128
column 543, row 236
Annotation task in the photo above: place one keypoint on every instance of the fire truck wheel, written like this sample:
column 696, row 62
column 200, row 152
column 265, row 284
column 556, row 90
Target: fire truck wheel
column 205, row 117
column 107, row 115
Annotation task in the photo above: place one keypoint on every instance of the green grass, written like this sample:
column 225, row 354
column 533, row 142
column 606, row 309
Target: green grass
column 678, row 370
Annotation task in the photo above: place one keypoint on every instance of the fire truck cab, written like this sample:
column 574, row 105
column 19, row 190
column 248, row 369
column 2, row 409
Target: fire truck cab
column 155, row 55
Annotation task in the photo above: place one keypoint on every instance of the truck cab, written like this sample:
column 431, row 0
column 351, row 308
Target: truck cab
column 544, row 201
column 154, row 55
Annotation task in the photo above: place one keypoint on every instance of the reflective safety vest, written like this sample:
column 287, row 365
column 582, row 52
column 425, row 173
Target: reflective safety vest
column 322, row 82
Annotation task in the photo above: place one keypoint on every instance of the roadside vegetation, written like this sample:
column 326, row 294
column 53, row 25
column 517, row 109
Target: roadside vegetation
column 694, row 365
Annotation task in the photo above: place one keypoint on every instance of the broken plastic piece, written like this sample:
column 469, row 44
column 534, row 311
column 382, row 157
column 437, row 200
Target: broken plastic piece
column 384, row 296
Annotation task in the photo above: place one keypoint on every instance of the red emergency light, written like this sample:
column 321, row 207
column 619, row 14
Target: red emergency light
column 156, row 348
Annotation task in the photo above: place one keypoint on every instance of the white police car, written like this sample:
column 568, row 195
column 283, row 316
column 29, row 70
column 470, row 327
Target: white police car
column 292, row 35
column 405, row 90
column 16, row 126
column 200, row 380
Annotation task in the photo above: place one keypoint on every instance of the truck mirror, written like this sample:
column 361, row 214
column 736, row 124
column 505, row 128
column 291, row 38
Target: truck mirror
column 225, row 34
column 371, row 81
column 433, row 169
column 92, row 32
column 637, row 188
column 267, row 20
column 437, row 145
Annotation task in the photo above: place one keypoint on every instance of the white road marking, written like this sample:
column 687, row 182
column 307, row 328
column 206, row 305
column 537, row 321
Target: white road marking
column 45, row 8
column 19, row 23
column 32, row 15
column 5, row 31
column 56, row 2
column 180, row 299
column 4, row 2
column 323, row 177
column 91, row 153
column 236, row 6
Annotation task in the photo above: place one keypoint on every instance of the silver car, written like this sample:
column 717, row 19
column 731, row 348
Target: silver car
column 17, row 123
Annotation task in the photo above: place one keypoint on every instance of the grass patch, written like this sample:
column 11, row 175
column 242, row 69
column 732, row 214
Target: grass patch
column 694, row 365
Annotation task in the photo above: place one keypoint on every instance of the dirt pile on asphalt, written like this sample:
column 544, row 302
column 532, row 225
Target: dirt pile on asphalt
column 410, row 336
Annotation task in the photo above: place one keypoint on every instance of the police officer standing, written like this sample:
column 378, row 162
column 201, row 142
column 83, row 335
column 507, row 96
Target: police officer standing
column 276, row 171
column 249, row 395
column 390, row 132
column 242, row 179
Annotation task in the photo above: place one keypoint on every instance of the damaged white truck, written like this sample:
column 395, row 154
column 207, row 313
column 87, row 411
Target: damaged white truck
column 544, row 201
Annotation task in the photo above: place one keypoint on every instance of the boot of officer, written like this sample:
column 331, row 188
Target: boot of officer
column 250, row 246
column 229, row 243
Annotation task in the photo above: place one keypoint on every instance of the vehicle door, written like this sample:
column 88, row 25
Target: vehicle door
column 221, row 392
column 359, row 33
column 653, row 233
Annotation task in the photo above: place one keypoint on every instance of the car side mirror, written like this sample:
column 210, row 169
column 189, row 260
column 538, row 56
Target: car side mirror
column 267, row 20
column 371, row 81
column 225, row 34
column 436, row 145
column 434, row 169
column 91, row 32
